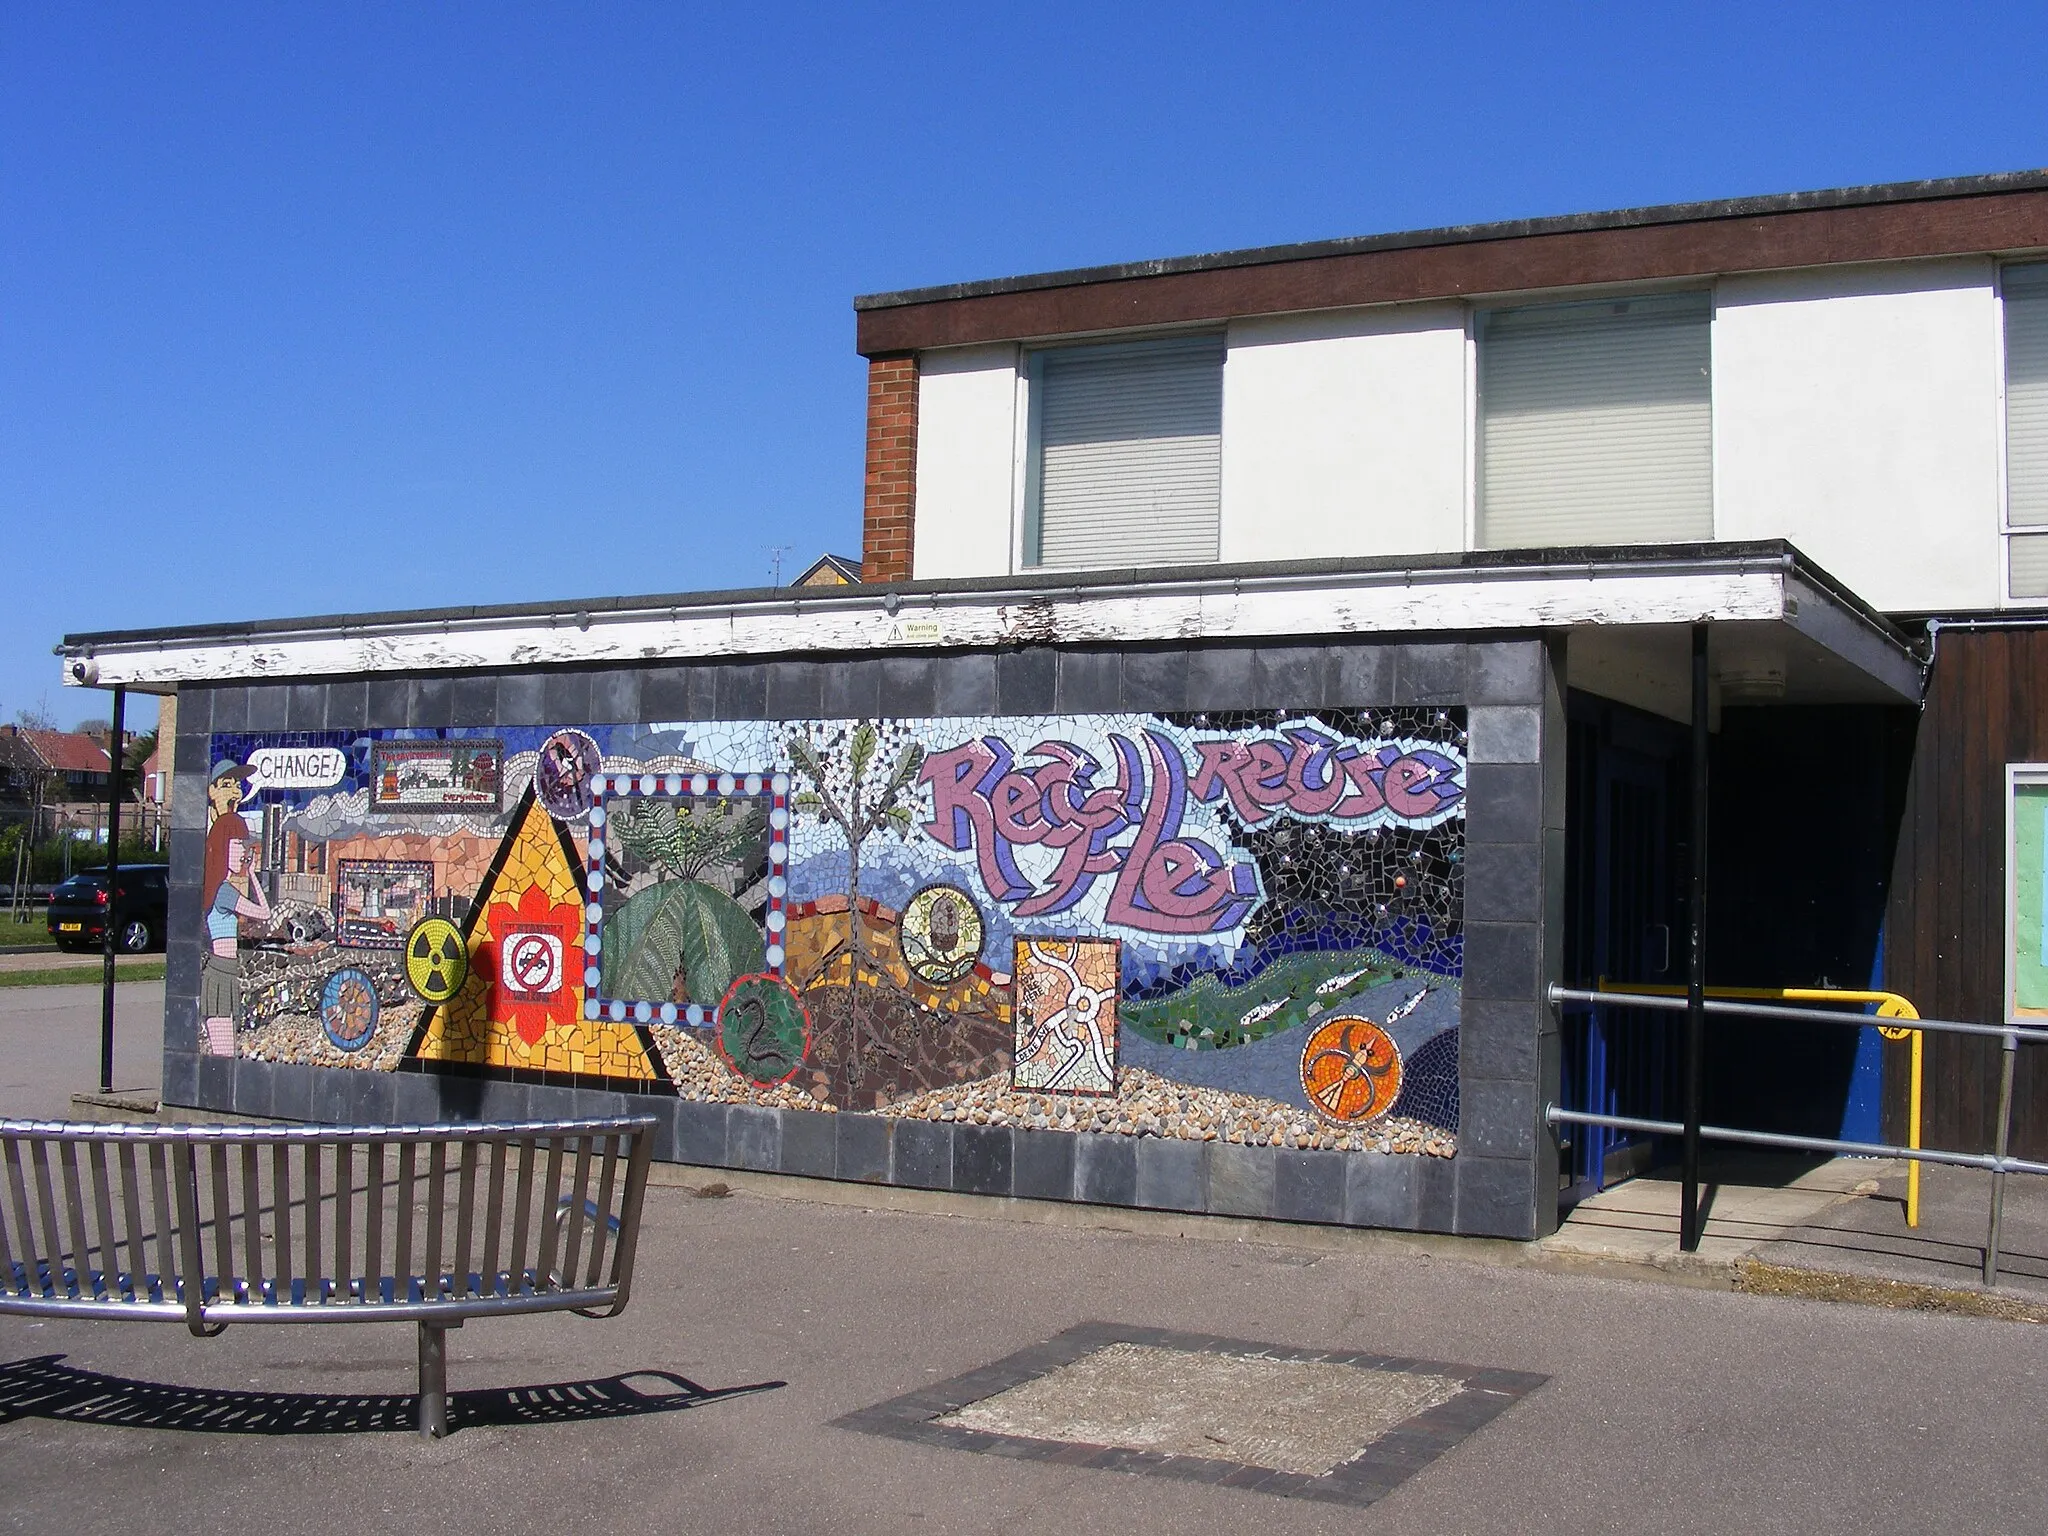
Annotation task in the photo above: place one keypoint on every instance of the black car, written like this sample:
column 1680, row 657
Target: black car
column 78, row 909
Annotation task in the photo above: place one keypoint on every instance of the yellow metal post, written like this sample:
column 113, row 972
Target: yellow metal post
column 1889, row 1006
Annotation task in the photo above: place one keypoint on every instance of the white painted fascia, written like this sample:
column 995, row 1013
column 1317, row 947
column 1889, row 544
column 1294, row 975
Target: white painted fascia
column 1277, row 606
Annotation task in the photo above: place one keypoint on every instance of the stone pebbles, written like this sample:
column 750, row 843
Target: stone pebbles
column 1149, row 1105
column 700, row 1073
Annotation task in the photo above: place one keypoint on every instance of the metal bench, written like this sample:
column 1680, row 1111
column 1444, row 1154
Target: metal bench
column 221, row 1224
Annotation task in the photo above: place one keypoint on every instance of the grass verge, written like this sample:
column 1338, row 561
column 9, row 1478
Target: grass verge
column 1821, row 1285
column 84, row 975
column 35, row 931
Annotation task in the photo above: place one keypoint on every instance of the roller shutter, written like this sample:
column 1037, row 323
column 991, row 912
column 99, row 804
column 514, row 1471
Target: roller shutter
column 1595, row 424
column 1127, row 454
column 2026, row 426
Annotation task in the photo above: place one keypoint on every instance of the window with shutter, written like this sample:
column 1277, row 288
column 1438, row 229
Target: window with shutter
column 1595, row 423
column 1126, row 454
column 2026, row 429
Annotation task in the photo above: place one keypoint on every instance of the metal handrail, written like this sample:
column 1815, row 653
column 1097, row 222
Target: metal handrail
column 1890, row 1005
column 1999, row 1163
column 1985, row 1160
column 1677, row 1004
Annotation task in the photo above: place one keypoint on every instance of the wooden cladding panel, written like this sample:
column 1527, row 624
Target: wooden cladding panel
column 1987, row 706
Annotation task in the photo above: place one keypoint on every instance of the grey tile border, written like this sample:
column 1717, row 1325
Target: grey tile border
column 1505, row 733
column 475, row 700
column 924, row 1155
column 1380, row 1189
column 1309, row 1186
column 1221, row 677
column 1241, row 1180
column 1504, row 882
column 861, row 1148
column 180, row 1079
column 566, row 697
column 810, row 1142
column 1497, row 1117
column 270, row 707
column 910, row 686
column 433, row 702
column 753, row 1138
column 852, row 689
column 700, row 1133
column 1025, row 681
column 306, row 710
column 615, row 696
column 1171, row 1174
column 1359, row 676
column 389, row 701
column 1430, row 674
column 1106, row 1170
column 984, row 1159
column 1156, row 680
column 1384, row 1463
column 1044, row 1165
column 1496, row 1196
column 348, row 704
column 1089, row 682
column 665, row 693
column 1506, row 672
column 522, row 699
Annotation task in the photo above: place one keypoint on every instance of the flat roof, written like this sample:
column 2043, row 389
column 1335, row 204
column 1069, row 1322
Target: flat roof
column 2006, row 211
column 1760, row 583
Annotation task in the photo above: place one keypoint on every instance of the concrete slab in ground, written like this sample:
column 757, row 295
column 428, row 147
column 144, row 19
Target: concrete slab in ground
column 1867, row 1235
column 1748, row 1201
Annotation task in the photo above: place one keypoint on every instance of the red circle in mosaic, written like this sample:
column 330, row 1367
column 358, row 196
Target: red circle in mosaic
column 764, row 1031
column 1351, row 1070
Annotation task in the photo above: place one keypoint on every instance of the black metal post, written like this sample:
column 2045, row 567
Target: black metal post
column 1696, row 965
column 111, row 937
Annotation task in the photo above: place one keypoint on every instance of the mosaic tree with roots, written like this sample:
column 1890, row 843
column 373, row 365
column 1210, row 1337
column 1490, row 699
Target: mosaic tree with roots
column 862, row 800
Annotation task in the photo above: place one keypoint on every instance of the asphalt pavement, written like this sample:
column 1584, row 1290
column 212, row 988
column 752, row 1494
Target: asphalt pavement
column 1668, row 1408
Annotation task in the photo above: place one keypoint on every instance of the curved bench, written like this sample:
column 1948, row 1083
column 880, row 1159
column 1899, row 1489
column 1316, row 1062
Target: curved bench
column 222, row 1224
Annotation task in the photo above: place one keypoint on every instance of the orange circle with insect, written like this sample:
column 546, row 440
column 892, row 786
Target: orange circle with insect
column 1351, row 1070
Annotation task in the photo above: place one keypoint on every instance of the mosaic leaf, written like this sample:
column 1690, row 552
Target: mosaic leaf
column 680, row 925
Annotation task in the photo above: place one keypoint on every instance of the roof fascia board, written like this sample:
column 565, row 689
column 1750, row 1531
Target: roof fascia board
column 1393, row 603
column 2002, row 215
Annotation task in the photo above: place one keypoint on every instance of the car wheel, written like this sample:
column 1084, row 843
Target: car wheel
column 135, row 936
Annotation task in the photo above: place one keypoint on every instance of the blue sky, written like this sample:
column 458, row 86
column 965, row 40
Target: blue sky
column 318, row 307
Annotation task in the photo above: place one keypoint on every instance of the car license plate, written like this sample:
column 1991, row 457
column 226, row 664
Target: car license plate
column 69, row 927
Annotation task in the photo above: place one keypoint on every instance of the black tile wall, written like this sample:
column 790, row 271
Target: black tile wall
column 1513, row 893
column 1025, row 681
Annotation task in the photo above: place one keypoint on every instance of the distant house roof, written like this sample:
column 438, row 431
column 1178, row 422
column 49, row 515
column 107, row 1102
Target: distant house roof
column 66, row 751
column 830, row 571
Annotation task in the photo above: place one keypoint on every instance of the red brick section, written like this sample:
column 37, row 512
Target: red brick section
column 891, row 506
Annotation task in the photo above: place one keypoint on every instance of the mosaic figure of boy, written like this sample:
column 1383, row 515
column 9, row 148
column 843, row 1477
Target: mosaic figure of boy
column 232, row 893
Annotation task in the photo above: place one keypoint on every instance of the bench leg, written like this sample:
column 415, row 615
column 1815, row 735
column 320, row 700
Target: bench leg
column 433, row 1417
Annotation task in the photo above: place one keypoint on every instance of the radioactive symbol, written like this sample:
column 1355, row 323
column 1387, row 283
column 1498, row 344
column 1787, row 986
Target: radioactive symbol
column 436, row 959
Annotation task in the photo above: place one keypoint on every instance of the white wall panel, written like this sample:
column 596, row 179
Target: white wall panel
column 1856, row 414
column 1344, row 434
column 966, row 462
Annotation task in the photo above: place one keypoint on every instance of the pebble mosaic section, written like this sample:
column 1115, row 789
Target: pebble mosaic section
column 1149, row 1105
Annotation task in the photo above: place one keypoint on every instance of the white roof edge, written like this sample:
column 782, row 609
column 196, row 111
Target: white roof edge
column 1393, row 603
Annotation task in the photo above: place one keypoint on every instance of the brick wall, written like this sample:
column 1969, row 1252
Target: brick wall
column 890, row 508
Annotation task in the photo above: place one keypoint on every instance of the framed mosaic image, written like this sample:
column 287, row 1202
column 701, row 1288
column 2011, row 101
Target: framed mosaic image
column 688, row 882
column 2026, row 891
column 376, row 901
column 464, row 774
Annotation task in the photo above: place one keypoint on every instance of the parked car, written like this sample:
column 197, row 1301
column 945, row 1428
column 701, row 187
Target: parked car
column 79, row 907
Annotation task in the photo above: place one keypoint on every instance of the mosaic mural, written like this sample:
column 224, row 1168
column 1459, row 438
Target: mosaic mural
column 1245, row 927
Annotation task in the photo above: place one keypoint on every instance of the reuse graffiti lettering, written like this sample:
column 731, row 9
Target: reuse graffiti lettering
column 1126, row 820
